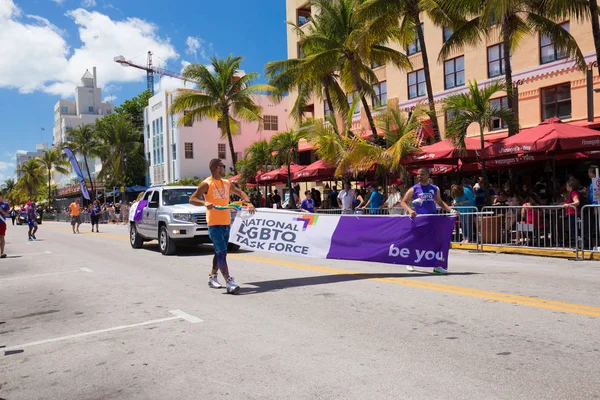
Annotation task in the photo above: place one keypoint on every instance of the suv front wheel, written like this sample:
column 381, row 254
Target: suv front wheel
column 167, row 246
column 134, row 238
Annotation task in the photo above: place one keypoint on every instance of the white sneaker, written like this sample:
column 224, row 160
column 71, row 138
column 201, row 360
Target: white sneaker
column 213, row 282
column 439, row 271
column 410, row 268
column 231, row 286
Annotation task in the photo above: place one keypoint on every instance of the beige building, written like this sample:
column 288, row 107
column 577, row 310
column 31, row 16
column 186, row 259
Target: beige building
column 549, row 85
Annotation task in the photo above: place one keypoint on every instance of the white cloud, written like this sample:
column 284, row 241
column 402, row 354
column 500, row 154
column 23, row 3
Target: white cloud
column 36, row 57
column 21, row 152
column 88, row 3
column 196, row 45
column 7, row 169
column 169, row 83
column 58, row 2
column 110, row 99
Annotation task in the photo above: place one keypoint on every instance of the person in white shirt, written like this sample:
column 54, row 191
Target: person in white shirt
column 393, row 201
column 345, row 199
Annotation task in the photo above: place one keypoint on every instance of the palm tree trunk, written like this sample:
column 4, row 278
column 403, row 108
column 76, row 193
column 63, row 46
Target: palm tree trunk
column 359, row 89
column 289, row 180
column 328, row 96
column 90, row 177
column 230, row 139
column 49, row 185
column 595, row 30
column 483, row 170
column 432, row 111
column 512, row 130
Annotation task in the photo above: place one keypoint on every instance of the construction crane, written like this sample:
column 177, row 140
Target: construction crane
column 150, row 71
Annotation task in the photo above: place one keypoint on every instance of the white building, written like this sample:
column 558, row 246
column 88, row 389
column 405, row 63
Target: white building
column 22, row 157
column 174, row 151
column 87, row 108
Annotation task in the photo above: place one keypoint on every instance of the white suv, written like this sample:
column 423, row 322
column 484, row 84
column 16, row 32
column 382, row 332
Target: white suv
column 171, row 219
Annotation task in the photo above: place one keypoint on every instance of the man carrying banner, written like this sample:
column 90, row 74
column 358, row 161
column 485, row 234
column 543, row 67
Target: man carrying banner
column 215, row 191
column 424, row 196
column 74, row 210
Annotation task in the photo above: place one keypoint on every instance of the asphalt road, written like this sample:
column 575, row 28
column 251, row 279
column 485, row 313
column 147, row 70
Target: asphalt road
column 87, row 317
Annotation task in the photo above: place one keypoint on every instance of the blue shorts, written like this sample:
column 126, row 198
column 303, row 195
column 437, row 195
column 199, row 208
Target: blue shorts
column 32, row 224
column 219, row 234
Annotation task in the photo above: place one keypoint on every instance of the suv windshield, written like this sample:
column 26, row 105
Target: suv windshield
column 172, row 197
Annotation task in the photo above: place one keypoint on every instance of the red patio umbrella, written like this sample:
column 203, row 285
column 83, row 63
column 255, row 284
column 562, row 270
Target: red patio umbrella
column 551, row 136
column 319, row 170
column 280, row 174
column 445, row 152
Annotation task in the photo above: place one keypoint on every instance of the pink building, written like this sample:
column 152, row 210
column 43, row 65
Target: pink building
column 176, row 151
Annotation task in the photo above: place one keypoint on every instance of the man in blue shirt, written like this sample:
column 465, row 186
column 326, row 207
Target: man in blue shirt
column 592, row 175
column 4, row 210
column 375, row 200
column 308, row 204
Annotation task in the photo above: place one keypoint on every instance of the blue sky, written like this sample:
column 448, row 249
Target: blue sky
column 48, row 44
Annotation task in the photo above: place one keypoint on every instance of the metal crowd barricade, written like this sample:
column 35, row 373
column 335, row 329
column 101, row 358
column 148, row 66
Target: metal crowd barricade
column 467, row 225
column 552, row 227
column 590, row 229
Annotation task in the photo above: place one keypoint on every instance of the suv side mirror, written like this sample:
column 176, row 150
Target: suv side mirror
column 153, row 204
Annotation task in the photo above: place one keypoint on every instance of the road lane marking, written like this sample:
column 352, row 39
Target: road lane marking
column 186, row 316
column 181, row 315
column 439, row 287
column 38, row 276
column 86, row 270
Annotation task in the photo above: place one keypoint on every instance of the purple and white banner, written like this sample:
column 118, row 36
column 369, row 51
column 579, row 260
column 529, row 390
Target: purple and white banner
column 423, row 241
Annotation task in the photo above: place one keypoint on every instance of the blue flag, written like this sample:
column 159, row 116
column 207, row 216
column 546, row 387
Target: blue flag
column 77, row 170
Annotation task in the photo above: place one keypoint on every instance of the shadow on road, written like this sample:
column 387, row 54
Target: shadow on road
column 192, row 251
column 268, row 286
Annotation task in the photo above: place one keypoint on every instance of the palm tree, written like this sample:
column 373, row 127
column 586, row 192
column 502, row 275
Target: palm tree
column 53, row 159
column 286, row 146
column 118, row 141
column 595, row 29
column 286, row 75
column 224, row 96
column 85, row 143
column 259, row 156
column 475, row 107
column 8, row 188
column 517, row 19
column 407, row 15
column 342, row 39
column 32, row 177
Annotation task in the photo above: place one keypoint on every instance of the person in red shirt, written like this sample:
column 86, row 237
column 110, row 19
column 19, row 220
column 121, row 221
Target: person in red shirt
column 573, row 207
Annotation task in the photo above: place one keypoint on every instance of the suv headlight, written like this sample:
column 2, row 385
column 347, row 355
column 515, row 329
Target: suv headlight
column 183, row 217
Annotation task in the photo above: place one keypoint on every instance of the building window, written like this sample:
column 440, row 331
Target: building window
column 148, row 131
column 495, row 60
column 447, row 32
column 222, row 150
column 416, row 84
column 189, row 150
column 91, row 109
column 162, row 155
column 350, row 98
column 328, row 112
column 64, row 109
column 380, row 98
column 548, row 53
column 375, row 64
column 500, row 103
column 303, row 15
column 300, row 51
column 160, row 125
column 556, row 101
column 219, row 123
column 187, row 123
column 270, row 122
column 454, row 72
column 415, row 47
column 174, row 151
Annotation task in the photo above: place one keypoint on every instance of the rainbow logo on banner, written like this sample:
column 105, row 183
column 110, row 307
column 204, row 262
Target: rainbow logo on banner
column 309, row 220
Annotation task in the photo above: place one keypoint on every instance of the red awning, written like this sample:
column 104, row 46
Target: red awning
column 280, row 174
column 445, row 152
column 319, row 170
column 551, row 136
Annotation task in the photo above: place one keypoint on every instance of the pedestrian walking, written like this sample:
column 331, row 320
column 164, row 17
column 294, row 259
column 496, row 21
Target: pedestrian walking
column 74, row 211
column 31, row 221
column 424, row 196
column 13, row 214
column 4, row 211
column 215, row 191
column 95, row 212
